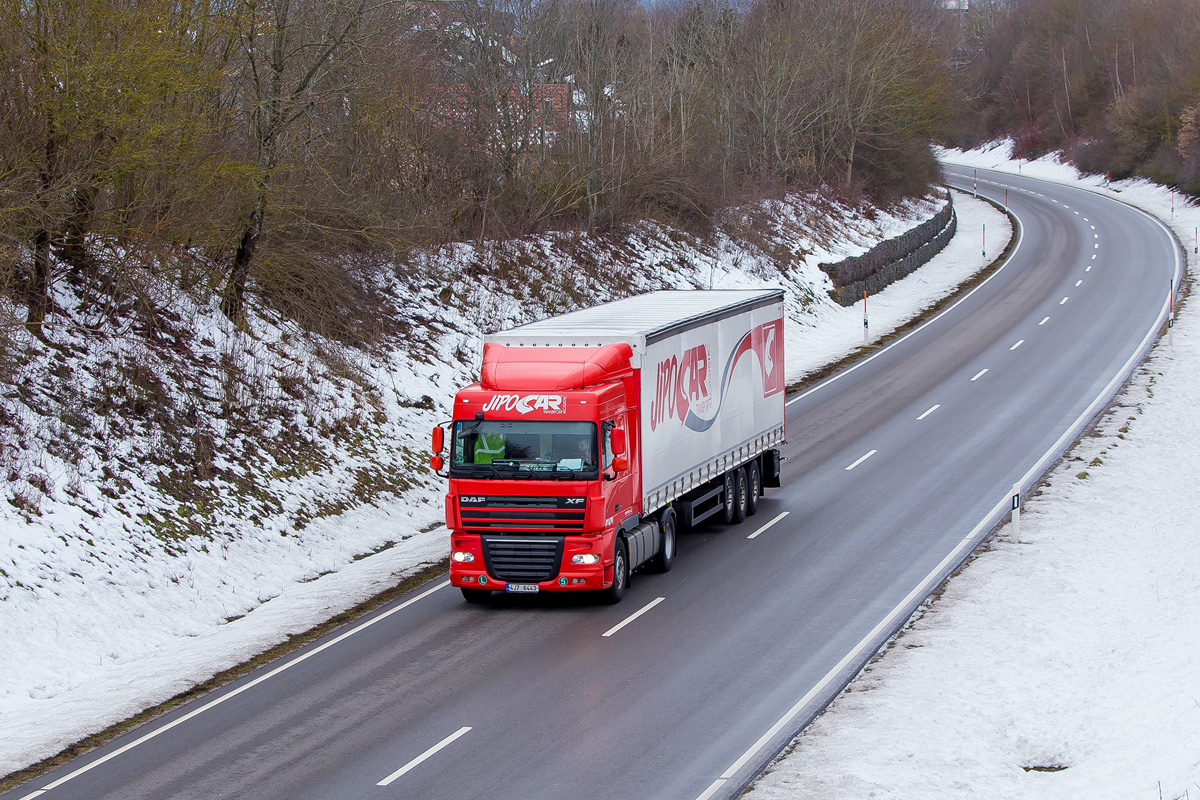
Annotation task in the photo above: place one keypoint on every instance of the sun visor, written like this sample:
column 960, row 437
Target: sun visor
column 509, row 368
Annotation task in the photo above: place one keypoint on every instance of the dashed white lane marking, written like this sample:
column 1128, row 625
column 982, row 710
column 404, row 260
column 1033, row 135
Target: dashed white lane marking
column 633, row 616
column 1015, row 346
column 1064, row 300
column 861, row 460
column 979, row 374
column 424, row 756
column 930, row 411
column 1093, row 256
column 1044, row 321
column 1093, row 227
column 1078, row 282
column 32, row 795
column 1088, row 268
column 769, row 524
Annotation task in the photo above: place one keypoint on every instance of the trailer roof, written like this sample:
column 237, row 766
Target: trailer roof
column 639, row 319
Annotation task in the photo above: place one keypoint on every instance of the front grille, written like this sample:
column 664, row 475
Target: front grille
column 522, row 560
column 552, row 515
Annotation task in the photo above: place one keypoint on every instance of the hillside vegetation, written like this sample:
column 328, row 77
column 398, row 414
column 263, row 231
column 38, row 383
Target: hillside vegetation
column 1114, row 84
column 289, row 148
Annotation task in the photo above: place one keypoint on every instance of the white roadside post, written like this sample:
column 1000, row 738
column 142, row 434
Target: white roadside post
column 1171, row 316
column 1016, row 513
column 866, row 327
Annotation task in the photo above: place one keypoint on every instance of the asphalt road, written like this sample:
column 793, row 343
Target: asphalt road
column 896, row 469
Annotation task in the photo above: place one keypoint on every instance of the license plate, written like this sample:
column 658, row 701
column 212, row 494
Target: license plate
column 522, row 588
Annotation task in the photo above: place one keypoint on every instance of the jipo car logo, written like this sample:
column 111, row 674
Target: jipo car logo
column 682, row 382
column 525, row 403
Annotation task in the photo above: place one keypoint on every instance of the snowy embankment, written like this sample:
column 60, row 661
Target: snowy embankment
column 101, row 619
column 1065, row 666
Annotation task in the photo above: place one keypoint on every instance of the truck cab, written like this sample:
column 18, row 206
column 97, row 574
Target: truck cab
column 542, row 479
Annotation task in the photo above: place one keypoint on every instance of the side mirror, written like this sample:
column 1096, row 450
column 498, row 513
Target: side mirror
column 439, row 439
column 620, row 464
column 435, row 463
column 618, row 441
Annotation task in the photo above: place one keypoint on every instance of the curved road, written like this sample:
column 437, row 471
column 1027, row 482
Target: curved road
column 896, row 469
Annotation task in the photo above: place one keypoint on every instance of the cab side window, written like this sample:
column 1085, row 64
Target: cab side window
column 606, row 430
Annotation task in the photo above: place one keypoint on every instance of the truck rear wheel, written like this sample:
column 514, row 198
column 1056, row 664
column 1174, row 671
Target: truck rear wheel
column 740, row 495
column 665, row 557
column 476, row 595
column 614, row 593
column 728, row 498
column 754, row 481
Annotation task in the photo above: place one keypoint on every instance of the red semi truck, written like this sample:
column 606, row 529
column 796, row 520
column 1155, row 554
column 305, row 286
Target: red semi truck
column 592, row 438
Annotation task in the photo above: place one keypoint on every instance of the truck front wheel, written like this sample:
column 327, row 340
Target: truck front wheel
column 614, row 593
column 665, row 557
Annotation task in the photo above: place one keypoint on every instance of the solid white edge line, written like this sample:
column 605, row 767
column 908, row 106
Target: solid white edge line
column 935, row 407
column 1020, row 235
column 712, row 789
column 430, row 752
column 1015, row 346
column 246, row 687
column 861, row 460
column 1036, row 470
column 979, row 374
column 633, row 616
column 769, row 524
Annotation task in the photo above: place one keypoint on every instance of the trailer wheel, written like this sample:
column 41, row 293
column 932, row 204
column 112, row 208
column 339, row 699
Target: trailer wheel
column 741, row 500
column 476, row 595
column 665, row 557
column 754, row 479
column 614, row 593
column 728, row 498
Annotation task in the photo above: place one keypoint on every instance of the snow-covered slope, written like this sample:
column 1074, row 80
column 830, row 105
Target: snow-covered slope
column 115, row 595
column 1065, row 666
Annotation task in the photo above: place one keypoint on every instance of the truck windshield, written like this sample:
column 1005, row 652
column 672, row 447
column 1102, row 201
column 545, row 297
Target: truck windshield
column 520, row 449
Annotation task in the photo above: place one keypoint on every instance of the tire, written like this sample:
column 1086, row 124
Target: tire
column 754, row 480
column 613, row 594
column 476, row 595
column 728, row 498
column 665, row 557
column 741, row 492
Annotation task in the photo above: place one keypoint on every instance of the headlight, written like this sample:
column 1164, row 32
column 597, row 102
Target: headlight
column 462, row 556
column 585, row 558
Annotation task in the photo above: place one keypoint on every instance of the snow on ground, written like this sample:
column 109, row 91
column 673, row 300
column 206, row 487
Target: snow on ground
column 100, row 619
column 1065, row 666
